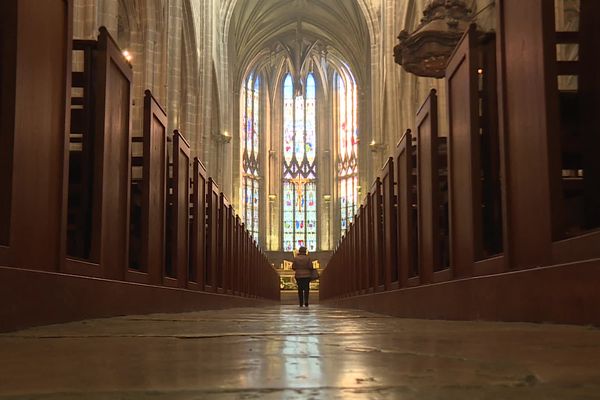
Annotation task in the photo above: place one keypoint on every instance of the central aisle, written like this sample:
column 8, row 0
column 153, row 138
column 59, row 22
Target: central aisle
column 288, row 352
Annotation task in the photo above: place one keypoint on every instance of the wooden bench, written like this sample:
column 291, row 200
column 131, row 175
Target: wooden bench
column 198, row 241
column 35, row 47
column 376, row 257
column 149, row 197
column 212, row 236
column 178, row 215
column 390, row 224
column 405, row 164
column 473, row 153
column 578, row 121
column 98, row 181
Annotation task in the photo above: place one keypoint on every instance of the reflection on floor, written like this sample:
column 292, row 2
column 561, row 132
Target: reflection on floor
column 289, row 352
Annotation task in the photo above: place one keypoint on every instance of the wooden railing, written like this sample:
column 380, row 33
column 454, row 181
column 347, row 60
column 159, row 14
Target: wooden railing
column 439, row 212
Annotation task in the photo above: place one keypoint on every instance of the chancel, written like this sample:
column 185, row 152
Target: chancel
column 163, row 161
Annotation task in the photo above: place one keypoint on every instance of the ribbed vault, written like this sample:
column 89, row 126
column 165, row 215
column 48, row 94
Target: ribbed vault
column 263, row 30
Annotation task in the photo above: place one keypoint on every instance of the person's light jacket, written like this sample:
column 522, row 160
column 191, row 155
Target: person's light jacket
column 302, row 265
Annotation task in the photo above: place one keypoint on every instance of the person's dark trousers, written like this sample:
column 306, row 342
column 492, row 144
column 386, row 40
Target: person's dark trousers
column 303, row 289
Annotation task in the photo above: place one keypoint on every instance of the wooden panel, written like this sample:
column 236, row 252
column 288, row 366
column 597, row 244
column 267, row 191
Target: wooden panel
column 230, row 249
column 361, row 220
column 181, row 202
column 8, row 79
column 390, row 233
column 491, row 198
column 223, row 243
column 252, row 266
column 569, row 294
column 528, row 104
column 356, row 254
column 428, row 192
column 578, row 133
column 241, row 267
column 39, row 298
column 81, row 154
column 463, row 157
column 589, row 89
column 112, row 161
column 36, row 80
column 198, row 231
column 235, row 266
column 247, row 263
column 212, row 199
column 406, row 228
column 154, row 189
column 376, row 236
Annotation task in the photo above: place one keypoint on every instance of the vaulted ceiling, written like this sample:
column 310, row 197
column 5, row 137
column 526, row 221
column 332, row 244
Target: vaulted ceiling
column 336, row 27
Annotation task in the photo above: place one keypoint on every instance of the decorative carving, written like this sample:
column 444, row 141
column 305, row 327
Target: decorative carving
column 425, row 51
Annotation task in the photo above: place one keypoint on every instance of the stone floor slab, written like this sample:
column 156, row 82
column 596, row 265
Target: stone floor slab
column 288, row 352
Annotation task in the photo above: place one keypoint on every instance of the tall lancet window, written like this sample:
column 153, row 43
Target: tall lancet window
column 250, row 135
column 347, row 163
column 299, row 168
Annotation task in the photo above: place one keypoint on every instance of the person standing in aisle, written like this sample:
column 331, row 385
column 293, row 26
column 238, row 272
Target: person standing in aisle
column 303, row 267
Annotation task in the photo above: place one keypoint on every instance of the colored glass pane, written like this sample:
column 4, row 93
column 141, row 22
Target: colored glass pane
column 288, row 119
column 250, row 141
column 347, row 149
column 310, row 139
column 299, row 168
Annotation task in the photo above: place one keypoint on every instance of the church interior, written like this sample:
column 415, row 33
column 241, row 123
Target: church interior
column 163, row 161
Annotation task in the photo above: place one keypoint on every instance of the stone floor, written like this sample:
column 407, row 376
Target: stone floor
column 287, row 352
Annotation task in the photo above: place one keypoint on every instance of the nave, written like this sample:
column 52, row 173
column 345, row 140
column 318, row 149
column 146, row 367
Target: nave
column 286, row 352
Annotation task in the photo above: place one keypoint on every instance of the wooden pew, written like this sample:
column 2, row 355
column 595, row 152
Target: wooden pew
column 247, row 263
column 112, row 143
column 197, row 273
column 525, row 107
column 81, row 154
column 212, row 210
column 35, row 42
column 428, row 189
column 491, row 194
column 235, row 265
column 177, row 270
column 472, row 137
column 354, row 253
column 464, row 164
column 229, row 277
column 149, row 253
column 344, row 259
column 244, row 259
column 376, row 258
column 390, row 225
column 224, row 245
column 363, row 249
column 589, row 84
column 252, row 265
column 8, row 13
column 578, row 121
column 109, row 247
column 408, row 268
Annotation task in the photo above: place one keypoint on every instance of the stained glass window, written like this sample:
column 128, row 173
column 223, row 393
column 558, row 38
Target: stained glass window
column 250, row 135
column 299, row 168
column 347, row 163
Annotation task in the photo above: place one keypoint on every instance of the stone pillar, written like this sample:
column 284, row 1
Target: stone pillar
column 174, row 32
